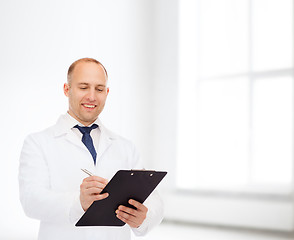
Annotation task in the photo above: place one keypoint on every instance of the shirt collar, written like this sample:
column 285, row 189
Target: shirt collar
column 66, row 122
column 72, row 121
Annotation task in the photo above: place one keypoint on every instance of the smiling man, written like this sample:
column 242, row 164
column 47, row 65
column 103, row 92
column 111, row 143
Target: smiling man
column 54, row 190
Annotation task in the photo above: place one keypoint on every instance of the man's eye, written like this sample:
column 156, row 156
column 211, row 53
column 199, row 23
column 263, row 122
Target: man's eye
column 100, row 90
column 83, row 88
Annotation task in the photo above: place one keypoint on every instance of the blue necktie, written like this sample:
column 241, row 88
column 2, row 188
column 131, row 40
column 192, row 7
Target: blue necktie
column 87, row 140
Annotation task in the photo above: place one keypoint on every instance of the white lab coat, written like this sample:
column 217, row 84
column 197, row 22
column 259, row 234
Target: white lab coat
column 50, row 176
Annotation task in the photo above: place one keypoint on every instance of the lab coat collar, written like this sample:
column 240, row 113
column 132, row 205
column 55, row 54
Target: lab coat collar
column 65, row 123
column 64, row 126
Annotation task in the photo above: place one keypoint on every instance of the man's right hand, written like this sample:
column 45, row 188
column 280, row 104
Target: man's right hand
column 90, row 190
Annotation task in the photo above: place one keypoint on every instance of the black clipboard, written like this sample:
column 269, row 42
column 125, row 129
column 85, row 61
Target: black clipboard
column 125, row 185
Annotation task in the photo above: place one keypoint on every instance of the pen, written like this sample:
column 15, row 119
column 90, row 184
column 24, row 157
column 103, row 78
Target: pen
column 86, row 171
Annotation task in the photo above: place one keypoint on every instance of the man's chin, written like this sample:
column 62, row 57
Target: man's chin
column 86, row 120
column 89, row 120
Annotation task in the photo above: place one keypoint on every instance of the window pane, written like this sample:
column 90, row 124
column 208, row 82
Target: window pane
column 215, row 142
column 272, row 130
column 188, row 41
column 213, row 149
column 224, row 37
column 272, row 34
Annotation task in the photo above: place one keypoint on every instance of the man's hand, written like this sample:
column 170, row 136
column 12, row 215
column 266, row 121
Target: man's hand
column 90, row 190
column 133, row 217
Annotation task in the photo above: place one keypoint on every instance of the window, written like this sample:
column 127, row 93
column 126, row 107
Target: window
column 236, row 95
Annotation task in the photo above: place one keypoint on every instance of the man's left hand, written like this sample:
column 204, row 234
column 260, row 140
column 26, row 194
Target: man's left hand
column 133, row 217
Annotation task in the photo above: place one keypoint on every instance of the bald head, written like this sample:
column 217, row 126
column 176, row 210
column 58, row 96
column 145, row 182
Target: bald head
column 83, row 60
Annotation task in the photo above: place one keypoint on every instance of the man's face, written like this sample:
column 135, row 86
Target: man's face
column 86, row 92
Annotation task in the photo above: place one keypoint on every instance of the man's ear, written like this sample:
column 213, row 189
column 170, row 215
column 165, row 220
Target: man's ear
column 66, row 89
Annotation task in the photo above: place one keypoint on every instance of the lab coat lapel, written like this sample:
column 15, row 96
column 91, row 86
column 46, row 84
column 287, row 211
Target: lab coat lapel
column 62, row 129
column 73, row 138
column 106, row 139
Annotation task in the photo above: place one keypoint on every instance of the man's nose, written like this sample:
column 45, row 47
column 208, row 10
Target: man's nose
column 91, row 95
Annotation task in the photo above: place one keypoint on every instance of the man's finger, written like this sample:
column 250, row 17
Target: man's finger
column 101, row 196
column 91, row 191
column 127, row 217
column 127, row 210
column 137, row 205
column 94, row 184
column 96, row 178
column 130, row 223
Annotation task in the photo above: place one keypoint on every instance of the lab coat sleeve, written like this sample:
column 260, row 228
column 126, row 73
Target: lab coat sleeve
column 38, row 200
column 154, row 215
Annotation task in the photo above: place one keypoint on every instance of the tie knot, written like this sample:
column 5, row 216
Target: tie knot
column 87, row 130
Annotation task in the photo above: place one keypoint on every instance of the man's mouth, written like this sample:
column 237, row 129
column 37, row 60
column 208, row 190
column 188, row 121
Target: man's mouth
column 89, row 105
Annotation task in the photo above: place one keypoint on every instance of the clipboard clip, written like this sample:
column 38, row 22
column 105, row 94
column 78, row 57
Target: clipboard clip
column 139, row 170
column 144, row 170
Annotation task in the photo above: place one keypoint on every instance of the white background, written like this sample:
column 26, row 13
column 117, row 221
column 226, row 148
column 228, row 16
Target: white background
column 135, row 40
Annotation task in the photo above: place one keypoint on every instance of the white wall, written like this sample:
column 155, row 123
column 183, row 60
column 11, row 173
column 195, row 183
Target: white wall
column 166, row 90
column 211, row 208
column 137, row 41
column 38, row 42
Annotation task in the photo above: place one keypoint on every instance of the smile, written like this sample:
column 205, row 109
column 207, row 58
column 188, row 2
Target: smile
column 89, row 105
